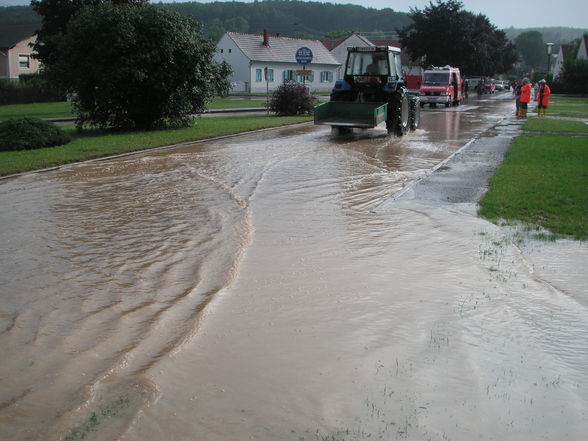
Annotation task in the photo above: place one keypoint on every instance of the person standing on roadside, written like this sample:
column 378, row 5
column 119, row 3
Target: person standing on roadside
column 516, row 90
column 543, row 98
column 525, row 97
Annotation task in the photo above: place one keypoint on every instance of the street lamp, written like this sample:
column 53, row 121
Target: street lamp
column 549, row 47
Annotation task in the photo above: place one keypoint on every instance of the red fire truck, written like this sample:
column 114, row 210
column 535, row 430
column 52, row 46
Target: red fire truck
column 441, row 85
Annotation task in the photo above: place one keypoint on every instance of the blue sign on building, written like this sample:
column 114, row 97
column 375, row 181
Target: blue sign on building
column 303, row 55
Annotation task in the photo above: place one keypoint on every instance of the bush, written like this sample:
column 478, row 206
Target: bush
column 291, row 99
column 29, row 88
column 30, row 133
column 574, row 78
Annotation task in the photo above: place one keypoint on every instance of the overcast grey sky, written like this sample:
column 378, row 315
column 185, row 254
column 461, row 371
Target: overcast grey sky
column 502, row 13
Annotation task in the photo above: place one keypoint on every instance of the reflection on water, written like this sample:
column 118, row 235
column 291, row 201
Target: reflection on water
column 242, row 289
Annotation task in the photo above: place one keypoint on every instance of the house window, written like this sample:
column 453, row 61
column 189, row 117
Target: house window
column 222, row 51
column 289, row 75
column 24, row 61
column 230, row 50
column 258, row 75
column 270, row 75
column 326, row 77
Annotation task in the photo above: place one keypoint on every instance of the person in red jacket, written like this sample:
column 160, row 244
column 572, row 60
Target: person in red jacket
column 543, row 98
column 525, row 97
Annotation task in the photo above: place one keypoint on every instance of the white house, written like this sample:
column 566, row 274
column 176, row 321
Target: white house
column 563, row 54
column 15, row 51
column 263, row 62
column 339, row 47
column 583, row 50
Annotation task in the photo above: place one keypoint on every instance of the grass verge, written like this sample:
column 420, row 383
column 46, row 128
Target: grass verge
column 95, row 143
column 543, row 181
column 568, row 106
column 554, row 125
column 64, row 109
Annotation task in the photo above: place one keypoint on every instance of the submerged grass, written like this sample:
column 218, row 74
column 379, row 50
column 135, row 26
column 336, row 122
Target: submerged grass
column 94, row 420
column 91, row 144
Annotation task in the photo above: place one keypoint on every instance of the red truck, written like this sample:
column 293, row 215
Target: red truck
column 441, row 85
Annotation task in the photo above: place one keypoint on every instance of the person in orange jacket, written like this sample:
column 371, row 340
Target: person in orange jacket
column 525, row 97
column 543, row 98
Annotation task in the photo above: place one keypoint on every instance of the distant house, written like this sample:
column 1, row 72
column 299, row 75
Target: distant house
column 565, row 53
column 15, row 51
column 339, row 47
column 583, row 50
column 263, row 62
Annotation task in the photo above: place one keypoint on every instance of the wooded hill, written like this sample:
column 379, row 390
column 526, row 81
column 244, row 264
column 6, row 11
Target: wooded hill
column 556, row 35
column 292, row 18
column 288, row 18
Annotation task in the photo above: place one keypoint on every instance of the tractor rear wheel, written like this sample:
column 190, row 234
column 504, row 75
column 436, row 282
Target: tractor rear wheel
column 398, row 115
column 415, row 114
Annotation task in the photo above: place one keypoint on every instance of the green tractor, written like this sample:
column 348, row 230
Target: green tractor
column 371, row 92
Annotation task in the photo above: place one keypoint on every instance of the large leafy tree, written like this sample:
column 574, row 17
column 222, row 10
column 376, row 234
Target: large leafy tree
column 443, row 33
column 55, row 15
column 532, row 48
column 136, row 66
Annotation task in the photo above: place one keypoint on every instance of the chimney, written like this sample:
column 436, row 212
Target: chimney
column 266, row 38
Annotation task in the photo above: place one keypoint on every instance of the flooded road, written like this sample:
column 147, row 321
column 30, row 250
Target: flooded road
column 247, row 288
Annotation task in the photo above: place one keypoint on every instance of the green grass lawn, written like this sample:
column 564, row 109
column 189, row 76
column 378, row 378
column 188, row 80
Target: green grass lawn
column 543, row 180
column 63, row 109
column 36, row 110
column 566, row 106
column 554, row 125
column 95, row 143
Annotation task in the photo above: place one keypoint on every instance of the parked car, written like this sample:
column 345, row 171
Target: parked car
column 489, row 86
column 499, row 85
column 476, row 84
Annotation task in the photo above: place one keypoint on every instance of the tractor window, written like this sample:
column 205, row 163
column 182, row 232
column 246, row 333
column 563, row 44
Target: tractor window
column 367, row 63
column 396, row 65
column 436, row 78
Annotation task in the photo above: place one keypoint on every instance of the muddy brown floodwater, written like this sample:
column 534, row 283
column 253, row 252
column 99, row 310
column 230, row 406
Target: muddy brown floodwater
column 246, row 289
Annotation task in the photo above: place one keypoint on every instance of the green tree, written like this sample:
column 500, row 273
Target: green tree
column 532, row 48
column 55, row 15
column 136, row 66
column 443, row 33
column 574, row 78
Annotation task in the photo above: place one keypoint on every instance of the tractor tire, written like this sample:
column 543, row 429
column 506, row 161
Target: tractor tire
column 415, row 115
column 397, row 121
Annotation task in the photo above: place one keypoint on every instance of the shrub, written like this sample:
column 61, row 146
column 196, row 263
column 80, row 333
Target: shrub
column 291, row 99
column 28, row 88
column 30, row 133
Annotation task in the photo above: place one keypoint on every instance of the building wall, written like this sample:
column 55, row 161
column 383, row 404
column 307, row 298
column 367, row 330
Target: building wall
column 3, row 63
column 558, row 64
column 340, row 52
column 227, row 50
column 583, row 50
column 19, row 60
column 245, row 77
column 317, row 83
